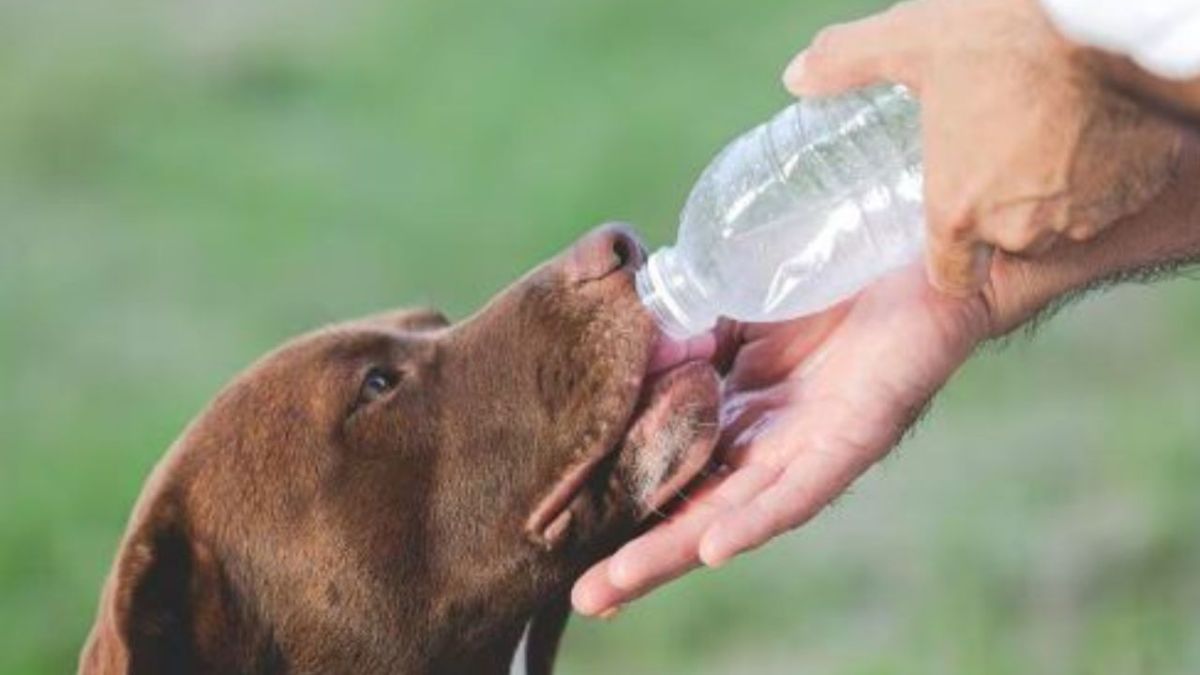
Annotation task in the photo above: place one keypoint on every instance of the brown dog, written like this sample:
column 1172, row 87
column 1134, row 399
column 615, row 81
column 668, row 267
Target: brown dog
column 397, row 495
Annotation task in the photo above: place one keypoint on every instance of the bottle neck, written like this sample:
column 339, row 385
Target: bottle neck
column 678, row 304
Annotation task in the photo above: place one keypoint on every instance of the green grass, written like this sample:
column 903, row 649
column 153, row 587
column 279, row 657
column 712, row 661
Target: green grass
column 183, row 185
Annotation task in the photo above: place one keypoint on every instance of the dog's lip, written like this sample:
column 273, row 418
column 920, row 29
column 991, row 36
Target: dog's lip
column 551, row 518
column 687, row 392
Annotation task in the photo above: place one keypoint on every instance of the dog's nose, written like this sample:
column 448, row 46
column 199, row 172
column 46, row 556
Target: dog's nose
column 604, row 250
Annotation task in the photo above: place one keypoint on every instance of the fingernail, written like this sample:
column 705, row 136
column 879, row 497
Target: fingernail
column 579, row 600
column 610, row 613
column 960, row 283
column 711, row 554
column 794, row 73
column 964, row 286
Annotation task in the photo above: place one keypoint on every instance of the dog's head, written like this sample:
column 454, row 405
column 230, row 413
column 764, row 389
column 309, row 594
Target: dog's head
column 402, row 494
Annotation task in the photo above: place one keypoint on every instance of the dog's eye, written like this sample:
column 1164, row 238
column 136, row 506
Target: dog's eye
column 377, row 383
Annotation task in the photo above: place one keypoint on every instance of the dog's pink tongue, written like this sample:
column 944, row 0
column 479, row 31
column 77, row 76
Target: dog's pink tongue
column 669, row 352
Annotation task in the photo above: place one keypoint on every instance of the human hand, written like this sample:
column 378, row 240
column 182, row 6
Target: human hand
column 808, row 405
column 1024, row 141
column 812, row 403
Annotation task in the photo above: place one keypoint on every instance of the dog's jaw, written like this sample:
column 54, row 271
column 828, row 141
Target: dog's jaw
column 656, row 452
column 672, row 437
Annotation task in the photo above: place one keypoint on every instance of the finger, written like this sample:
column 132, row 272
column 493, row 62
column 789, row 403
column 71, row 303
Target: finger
column 1016, row 229
column 957, row 265
column 593, row 594
column 855, row 54
column 811, row 481
column 771, row 351
column 671, row 548
column 663, row 554
column 957, row 261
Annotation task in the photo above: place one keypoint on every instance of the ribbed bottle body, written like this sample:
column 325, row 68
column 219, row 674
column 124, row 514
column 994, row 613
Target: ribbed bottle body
column 796, row 214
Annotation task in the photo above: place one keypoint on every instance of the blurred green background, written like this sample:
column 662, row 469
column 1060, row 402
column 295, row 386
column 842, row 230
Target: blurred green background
column 184, row 184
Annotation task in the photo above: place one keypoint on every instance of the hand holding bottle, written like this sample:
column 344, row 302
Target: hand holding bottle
column 1024, row 141
column 812, row 403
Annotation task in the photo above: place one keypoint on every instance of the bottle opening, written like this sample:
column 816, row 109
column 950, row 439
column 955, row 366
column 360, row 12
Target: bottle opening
column 663, row 292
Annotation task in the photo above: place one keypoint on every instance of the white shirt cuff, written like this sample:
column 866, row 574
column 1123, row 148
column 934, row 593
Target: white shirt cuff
column 1162, row 36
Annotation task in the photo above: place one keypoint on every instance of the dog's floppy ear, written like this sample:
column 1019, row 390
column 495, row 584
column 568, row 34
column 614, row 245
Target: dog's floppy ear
column 146, row 620
column 414, row 319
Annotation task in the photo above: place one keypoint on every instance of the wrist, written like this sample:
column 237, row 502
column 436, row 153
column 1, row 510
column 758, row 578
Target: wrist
column 1165, row 234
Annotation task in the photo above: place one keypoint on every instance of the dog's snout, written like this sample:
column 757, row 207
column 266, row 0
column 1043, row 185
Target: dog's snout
column 607, row 249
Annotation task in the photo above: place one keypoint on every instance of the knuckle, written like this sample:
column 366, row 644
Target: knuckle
column 1080, row 233
column 900, row 68
column 898, row 12
column 949, row 219
column 1053, row 215
column 1017, row 238
column 955, row 226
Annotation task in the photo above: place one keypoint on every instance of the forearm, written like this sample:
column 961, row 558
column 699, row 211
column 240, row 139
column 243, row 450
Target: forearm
column 1161, row 238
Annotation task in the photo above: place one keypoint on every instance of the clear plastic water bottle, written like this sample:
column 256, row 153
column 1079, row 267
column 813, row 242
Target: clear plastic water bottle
column 795, row 215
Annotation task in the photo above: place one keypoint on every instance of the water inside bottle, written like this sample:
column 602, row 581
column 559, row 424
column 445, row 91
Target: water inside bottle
column 796, row 214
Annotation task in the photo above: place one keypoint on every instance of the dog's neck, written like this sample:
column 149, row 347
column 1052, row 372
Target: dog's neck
column 245, row 648
column 254, row 646
column 418, row 648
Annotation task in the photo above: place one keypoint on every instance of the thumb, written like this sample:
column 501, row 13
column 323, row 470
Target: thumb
column 853, row 55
